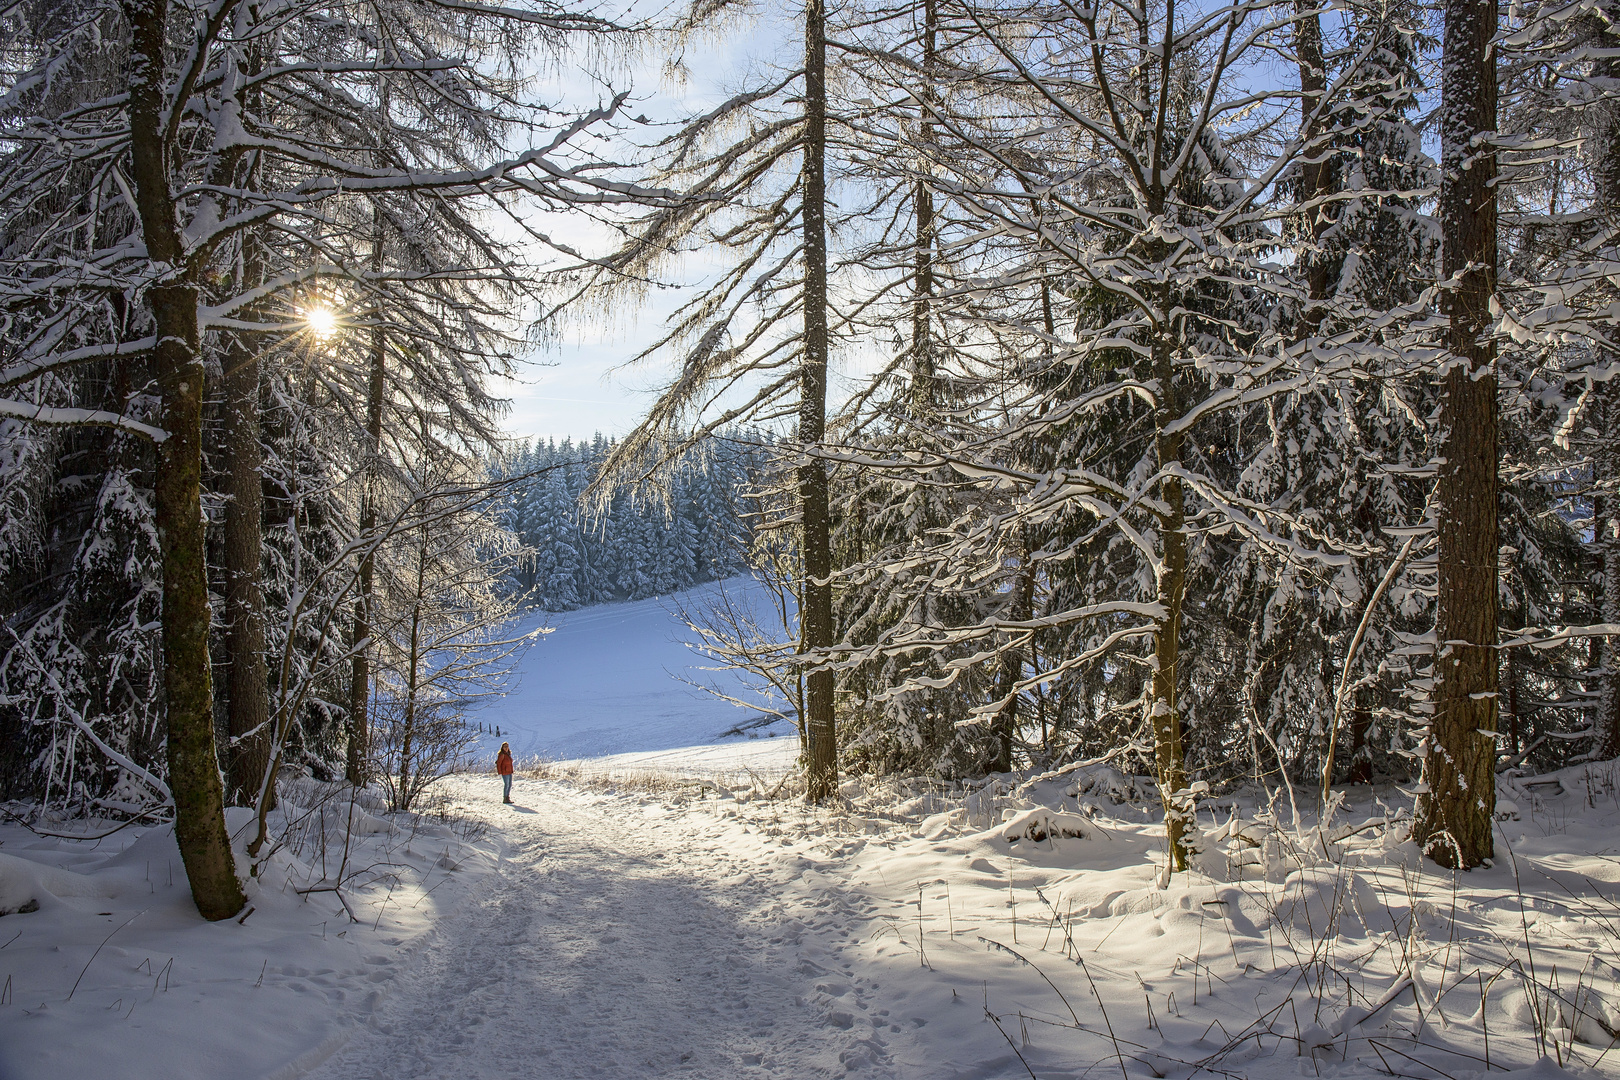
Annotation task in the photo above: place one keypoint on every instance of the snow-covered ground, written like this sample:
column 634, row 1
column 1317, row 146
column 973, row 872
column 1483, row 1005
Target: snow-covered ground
column 608, row 680
column 640, row 925
column 116, row 976
column 915, row 933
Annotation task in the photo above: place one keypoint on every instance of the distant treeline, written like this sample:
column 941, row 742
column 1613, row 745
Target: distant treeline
column 646, row 543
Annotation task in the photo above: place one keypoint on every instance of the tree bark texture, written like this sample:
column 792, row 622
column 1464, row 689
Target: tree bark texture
column 1606, row 535
column 1021, row 609
column 1313, row 171
column 924, row 389
column 815, row 612
column 247, row 679
column 194, row 779
column 407, row 735
column 1163, row 707
column 1606, row 454
column 1454, row 811
column 360, row 666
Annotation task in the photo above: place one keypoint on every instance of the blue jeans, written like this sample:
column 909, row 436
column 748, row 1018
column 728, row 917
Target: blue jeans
column 507, row 781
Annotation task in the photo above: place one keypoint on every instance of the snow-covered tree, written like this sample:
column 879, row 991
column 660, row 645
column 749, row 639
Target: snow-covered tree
column 145, row 140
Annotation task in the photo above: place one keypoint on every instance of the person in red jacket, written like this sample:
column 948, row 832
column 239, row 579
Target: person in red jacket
column 503, row 765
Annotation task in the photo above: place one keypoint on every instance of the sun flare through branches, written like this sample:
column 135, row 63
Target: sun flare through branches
column 321, row 321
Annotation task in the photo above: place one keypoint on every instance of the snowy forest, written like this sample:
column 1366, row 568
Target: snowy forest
column 697, row 531
column 1228, row 390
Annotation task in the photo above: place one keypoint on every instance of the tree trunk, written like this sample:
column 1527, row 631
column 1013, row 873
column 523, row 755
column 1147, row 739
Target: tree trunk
column 1012, row 661
column 1606, row 455
column 1512, row 710
column 815, row 612
column 1164, row 716
column 199, row 795
column 1313, row 173
column 1454, row 811
column 1314, row 179
column 1361, row 718
column 360, row 666
column 1163, row 706
column 413, row 678
column 924, row 391
column 247, row 680
column 1606, row 536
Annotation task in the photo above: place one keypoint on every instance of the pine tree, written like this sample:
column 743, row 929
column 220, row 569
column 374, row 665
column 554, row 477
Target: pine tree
column 186, row 146
column 1453, row 818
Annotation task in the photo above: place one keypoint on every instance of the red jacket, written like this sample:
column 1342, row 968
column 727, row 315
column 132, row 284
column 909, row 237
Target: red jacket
column 503, row 763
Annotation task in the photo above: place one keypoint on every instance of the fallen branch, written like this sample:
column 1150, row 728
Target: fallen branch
column 335, row 891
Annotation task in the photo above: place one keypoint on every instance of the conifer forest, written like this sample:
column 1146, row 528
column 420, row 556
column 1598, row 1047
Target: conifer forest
column 1225, row 393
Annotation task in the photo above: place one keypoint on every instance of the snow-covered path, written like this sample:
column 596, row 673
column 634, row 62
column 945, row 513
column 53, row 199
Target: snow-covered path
column 629, row 935
column 609, row 945
column 906, row 934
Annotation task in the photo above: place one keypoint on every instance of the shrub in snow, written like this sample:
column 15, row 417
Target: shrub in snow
column 26, row 885
column 981, row 805
column 1323, row 901
column 1594, row 1019
column 364, row 824
column 1041, row 824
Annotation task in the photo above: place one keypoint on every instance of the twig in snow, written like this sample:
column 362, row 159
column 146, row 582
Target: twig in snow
column 384, row 905
column 1012, row 1044
column 922, row 952
column 1524, row 926
column 1026, row 962
column 1385, row 1046
column 97, row 953
column 335, row 891
column 430, row 892
column 1104, row 1010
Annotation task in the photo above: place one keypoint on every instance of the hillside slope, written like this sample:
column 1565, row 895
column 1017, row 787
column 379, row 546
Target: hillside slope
column 607, row 680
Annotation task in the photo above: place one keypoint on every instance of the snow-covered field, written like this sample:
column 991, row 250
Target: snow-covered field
column 628, row 927
column 731, row 762
column 607, row 680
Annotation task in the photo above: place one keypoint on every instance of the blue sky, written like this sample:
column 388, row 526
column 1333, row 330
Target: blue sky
column 579, row 385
